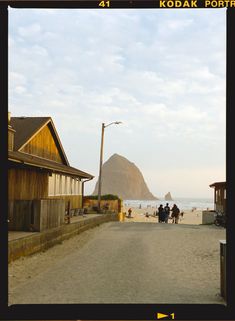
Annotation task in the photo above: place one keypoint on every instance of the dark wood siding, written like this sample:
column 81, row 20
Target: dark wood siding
column 27, row 184
column 43, row 145
column 220, row 199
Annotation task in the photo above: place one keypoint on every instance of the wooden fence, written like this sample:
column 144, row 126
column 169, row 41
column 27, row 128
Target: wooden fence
column 35, row 215
column 111, row 205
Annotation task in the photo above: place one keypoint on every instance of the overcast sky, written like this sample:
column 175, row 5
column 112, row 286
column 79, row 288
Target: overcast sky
column 160, row 72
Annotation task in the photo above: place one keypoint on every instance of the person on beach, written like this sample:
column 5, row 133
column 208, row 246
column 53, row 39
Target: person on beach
column 166, row 212
column 129, row 212
column 175, row 214
column 181, row 216
column 160, row 214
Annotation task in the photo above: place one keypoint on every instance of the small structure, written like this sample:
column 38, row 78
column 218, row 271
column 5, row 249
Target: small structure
column 208, row 216
column 219, row 196
column 41, row 183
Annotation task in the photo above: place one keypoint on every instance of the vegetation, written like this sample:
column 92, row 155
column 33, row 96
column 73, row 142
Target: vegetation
column 110, row 197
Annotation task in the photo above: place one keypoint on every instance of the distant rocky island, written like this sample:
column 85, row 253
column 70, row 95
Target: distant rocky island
column 123, row 178
column 168, row 197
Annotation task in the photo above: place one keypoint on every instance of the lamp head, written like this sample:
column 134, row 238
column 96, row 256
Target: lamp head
column 114, row 122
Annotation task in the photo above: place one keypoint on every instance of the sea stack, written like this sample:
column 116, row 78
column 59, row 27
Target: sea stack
column 123, row 178
column 168, row 197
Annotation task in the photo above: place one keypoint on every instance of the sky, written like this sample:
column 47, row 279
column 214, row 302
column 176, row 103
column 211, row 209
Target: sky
column 161, row 72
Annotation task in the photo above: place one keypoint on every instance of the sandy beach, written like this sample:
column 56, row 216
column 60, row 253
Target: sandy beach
column 139, row 215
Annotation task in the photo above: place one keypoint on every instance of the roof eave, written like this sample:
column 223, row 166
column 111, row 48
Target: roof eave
column 51, row 168
column 218, row 184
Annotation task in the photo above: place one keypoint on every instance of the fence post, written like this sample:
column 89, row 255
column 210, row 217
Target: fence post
column 223, row 268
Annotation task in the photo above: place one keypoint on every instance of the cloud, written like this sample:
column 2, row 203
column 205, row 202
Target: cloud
column 161, row 72
column 30, row 31
column 179, row 24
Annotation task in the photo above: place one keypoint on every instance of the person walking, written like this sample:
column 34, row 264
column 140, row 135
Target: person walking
column 129, row 212
column 175, row 214
column 167, row 212
column 160, row 214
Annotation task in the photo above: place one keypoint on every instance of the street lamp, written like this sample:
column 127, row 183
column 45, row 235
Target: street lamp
column 101, row 159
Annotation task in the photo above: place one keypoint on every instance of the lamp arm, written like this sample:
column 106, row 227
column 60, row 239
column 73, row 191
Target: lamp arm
column 109, row 124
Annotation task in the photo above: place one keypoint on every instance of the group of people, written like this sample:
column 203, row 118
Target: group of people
column 164, row 213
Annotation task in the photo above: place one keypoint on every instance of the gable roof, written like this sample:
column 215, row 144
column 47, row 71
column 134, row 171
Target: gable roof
column 27, row 127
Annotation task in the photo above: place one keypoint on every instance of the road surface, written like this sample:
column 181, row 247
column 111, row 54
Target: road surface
column 120, row 262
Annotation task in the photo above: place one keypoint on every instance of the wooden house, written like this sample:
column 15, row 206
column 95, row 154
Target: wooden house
column 219, row 196
column 40, row 171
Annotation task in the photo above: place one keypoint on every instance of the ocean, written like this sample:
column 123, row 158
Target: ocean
column 182, row 203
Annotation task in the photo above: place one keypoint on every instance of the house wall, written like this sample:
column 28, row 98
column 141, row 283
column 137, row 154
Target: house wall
column 43, row 145
column 27, row 184
column 75, row 200
column 67, row 188
column 64, row 185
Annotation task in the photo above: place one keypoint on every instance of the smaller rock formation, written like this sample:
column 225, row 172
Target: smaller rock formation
column 168, row 197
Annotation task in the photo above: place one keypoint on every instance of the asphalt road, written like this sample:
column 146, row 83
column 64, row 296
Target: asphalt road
column 124, row 263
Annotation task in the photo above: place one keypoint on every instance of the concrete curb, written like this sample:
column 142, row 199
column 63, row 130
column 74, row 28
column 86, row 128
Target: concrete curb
column 43, row 240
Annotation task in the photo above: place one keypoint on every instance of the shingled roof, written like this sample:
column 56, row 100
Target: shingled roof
column 27, row 127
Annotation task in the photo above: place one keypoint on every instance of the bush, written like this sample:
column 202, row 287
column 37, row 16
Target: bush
column 103, row 197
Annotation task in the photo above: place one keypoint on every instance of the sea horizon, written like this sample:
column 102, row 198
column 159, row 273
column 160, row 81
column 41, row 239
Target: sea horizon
column 184, row 203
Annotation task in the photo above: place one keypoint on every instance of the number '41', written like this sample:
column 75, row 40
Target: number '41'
column 104, row 4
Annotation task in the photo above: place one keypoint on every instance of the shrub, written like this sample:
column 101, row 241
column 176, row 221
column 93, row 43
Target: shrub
column 103, row 197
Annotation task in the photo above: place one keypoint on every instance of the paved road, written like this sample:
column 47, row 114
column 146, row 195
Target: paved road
column 124, row 263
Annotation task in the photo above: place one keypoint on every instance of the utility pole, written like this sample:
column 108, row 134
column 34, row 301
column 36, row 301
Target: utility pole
column 101, row 163
column 101, row 160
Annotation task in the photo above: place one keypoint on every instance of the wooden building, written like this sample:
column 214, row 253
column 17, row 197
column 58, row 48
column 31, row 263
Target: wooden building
column 39, row 170
column 219, row 196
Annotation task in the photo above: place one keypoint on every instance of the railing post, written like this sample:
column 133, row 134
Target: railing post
column 223, row 268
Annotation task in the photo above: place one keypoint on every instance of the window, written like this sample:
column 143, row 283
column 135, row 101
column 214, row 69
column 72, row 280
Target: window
column 51, row 185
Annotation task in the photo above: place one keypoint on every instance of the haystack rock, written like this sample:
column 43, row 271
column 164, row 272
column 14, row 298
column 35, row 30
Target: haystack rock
column 123, row 178
column 168, row 197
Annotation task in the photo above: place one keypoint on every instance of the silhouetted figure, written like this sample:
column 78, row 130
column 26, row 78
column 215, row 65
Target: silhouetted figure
column 167, row 212
column 129, row 212
column 175, row 214
column 161, row 216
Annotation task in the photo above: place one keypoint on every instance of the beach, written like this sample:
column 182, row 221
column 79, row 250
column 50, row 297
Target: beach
column 139, row 215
